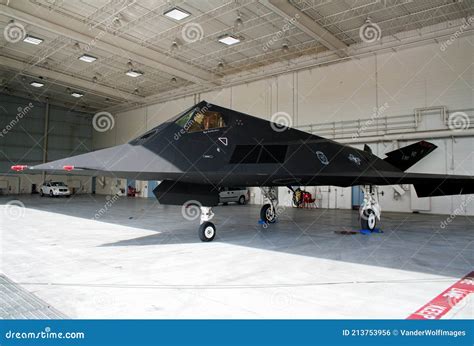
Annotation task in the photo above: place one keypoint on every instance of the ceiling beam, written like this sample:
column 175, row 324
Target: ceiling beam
column 306, row 24
column 65, row 79
column 94, row 37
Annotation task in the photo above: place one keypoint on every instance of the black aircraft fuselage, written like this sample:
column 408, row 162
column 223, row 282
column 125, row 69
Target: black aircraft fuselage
column 208, row 147
column 249, row 151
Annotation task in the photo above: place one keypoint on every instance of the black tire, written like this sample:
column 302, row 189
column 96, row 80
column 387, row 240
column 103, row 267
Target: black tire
column 242, row 200
column 266, row 214
column 51, row 193
column 368, row 220
column 207, row 231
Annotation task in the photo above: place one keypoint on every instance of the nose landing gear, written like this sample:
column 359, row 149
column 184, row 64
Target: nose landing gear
column 370, row 209
column 207, row 230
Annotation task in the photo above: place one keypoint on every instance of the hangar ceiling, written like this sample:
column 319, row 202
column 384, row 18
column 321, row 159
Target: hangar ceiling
column 174, row 57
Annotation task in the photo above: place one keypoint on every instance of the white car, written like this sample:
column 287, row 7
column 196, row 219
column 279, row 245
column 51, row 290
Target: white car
column 234, row 194
column 54, row 188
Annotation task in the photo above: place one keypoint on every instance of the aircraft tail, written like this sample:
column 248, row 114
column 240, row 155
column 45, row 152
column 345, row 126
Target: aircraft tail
column 406, row 157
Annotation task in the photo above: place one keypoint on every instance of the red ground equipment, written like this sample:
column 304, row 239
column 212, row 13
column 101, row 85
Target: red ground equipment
column 132, row 192
column 303, row 199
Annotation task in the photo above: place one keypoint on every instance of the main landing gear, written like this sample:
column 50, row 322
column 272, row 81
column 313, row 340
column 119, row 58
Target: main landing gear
column 369, row 212
column 268, row 213
column 207, row 230
column 370, row 209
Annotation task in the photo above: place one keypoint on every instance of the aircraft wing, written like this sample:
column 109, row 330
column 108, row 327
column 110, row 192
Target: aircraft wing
column 108, row 163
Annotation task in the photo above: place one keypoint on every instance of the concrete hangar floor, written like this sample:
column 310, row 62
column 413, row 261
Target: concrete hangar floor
column 143, row 260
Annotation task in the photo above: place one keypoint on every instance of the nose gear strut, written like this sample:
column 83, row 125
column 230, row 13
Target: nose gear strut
column 370, row 209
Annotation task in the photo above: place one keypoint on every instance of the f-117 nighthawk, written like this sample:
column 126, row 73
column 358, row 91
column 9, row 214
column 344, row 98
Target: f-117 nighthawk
column 208, row 147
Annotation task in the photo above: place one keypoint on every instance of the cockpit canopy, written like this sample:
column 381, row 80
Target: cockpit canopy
column 198, row 120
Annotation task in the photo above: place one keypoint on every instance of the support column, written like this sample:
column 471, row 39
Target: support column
column 45, row 135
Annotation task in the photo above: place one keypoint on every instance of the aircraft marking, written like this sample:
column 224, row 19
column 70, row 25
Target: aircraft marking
column 223, row 140
column 322, row 157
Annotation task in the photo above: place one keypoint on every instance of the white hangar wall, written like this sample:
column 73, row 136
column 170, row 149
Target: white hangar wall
column 396, row 83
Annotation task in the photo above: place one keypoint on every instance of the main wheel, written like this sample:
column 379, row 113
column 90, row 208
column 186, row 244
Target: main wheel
column 368, row 220
column 267, row 214
column 207, row 231
column 242, row 200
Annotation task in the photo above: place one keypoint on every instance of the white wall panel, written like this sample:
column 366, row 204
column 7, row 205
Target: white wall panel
column 220, row 97
column 130, row 125
column 284, row 98
column 252, row 98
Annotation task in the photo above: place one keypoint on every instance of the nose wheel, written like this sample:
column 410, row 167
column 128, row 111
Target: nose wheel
column 207, row 230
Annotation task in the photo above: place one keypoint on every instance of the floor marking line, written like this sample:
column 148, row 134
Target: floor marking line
column 444, row 302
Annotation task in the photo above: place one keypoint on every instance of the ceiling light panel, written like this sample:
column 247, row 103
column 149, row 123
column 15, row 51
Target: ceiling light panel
column 229, row 40
column 177, row 13
column 87, row 58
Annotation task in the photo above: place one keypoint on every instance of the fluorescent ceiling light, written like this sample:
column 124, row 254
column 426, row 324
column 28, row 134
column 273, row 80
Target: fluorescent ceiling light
column 177, row 13
column 76, row 94
column 32, row 39
column 36, row 84
column 133, row 73
column 229, row 40
column 87, row 58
